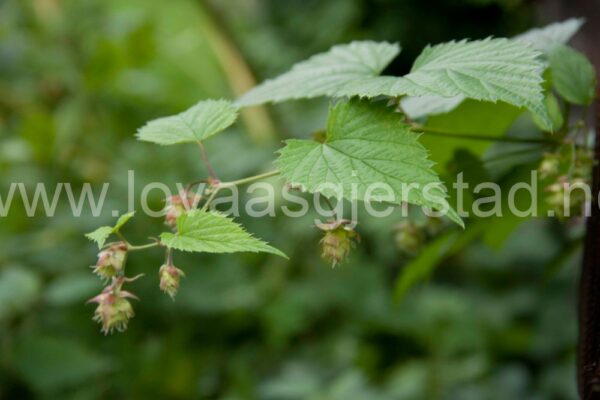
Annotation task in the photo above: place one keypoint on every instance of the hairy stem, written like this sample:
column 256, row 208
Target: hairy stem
column 131, row 247
column 206, row 162
column 248, row 179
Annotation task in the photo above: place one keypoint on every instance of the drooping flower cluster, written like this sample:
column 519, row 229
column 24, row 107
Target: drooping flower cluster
column 170, row 276
column 567, row 174
column 114, row 309
column 111, row 261
column 338, row 240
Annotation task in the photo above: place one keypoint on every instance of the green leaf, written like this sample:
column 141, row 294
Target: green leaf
column 123, row 220
column 550, row 36
column 366, row 145
column 101, row 234
column 325, row 74
column 489, row 70
column 196, row 124
column 211, row 232
column 419, row 107
column 554, row 111
column 573, row 75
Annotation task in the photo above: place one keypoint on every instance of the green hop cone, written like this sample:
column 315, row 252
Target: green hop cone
column 111, row 260
column 170, row 276
column 338, row 240
column 114, row 310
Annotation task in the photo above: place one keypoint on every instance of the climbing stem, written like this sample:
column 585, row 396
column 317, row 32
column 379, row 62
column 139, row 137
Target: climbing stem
column 248, row 179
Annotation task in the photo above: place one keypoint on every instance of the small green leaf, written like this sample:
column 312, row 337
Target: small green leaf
column 573, row 75
column 324, row 74
column 197, row 123
column 101, row 234
column 123, row 220
column 367, row 146
column 550, row 36
column 211, row 232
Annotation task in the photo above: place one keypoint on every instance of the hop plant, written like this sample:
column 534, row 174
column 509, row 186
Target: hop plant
column 111, row 260
column 338, row 240
column 567, row 168
column 114, row 310
column 179, row 204
column 170, row 276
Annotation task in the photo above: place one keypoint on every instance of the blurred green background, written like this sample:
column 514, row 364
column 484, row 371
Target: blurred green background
column 496, row 319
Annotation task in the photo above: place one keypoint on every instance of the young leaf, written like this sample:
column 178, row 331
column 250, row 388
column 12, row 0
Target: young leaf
column 211, row 232
column 196, row 124
column 324, row 74
column 101, row 234
column 549, row 37
column 367, row 150
column 490, row 70
column 573, row 75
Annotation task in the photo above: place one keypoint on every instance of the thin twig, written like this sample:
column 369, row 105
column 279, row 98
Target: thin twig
column 206, row 162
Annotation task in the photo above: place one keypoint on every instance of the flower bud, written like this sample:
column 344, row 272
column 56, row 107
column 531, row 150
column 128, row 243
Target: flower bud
column 337, row 241
column 113, row 310
column 110, row 260
column 170, row 276
column 179, row 204
column 409, row 237
column 549, row 166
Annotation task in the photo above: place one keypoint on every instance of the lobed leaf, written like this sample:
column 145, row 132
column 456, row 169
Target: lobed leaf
column 101, row 234
column 198, row 123
column 325, row 74
column 211, row 232
column 368, row 149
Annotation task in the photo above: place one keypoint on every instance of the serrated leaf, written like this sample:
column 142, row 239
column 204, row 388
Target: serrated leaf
column 419, row 107
column 544, row 39
column 489, row 70
column 324, row 74
column 211, row 232
column 573, row 76
column 550, row 36
column 123, row 220
column 196, row 124
column 366, row 145
column 101, row 234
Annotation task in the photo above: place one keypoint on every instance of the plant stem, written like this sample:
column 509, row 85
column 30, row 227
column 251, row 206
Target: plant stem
column 468, row 136
column 206, row 162
column 210, row 198
column 131, row 247
column 248, row 179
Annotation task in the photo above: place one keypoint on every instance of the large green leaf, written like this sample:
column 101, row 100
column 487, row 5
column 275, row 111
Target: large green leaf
column 573, row 75
column 490, row 70
column 196, row 124
column 550, row 36
column 101, row 234
column 211, row 232
column 367, row 146
column 326, row 73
